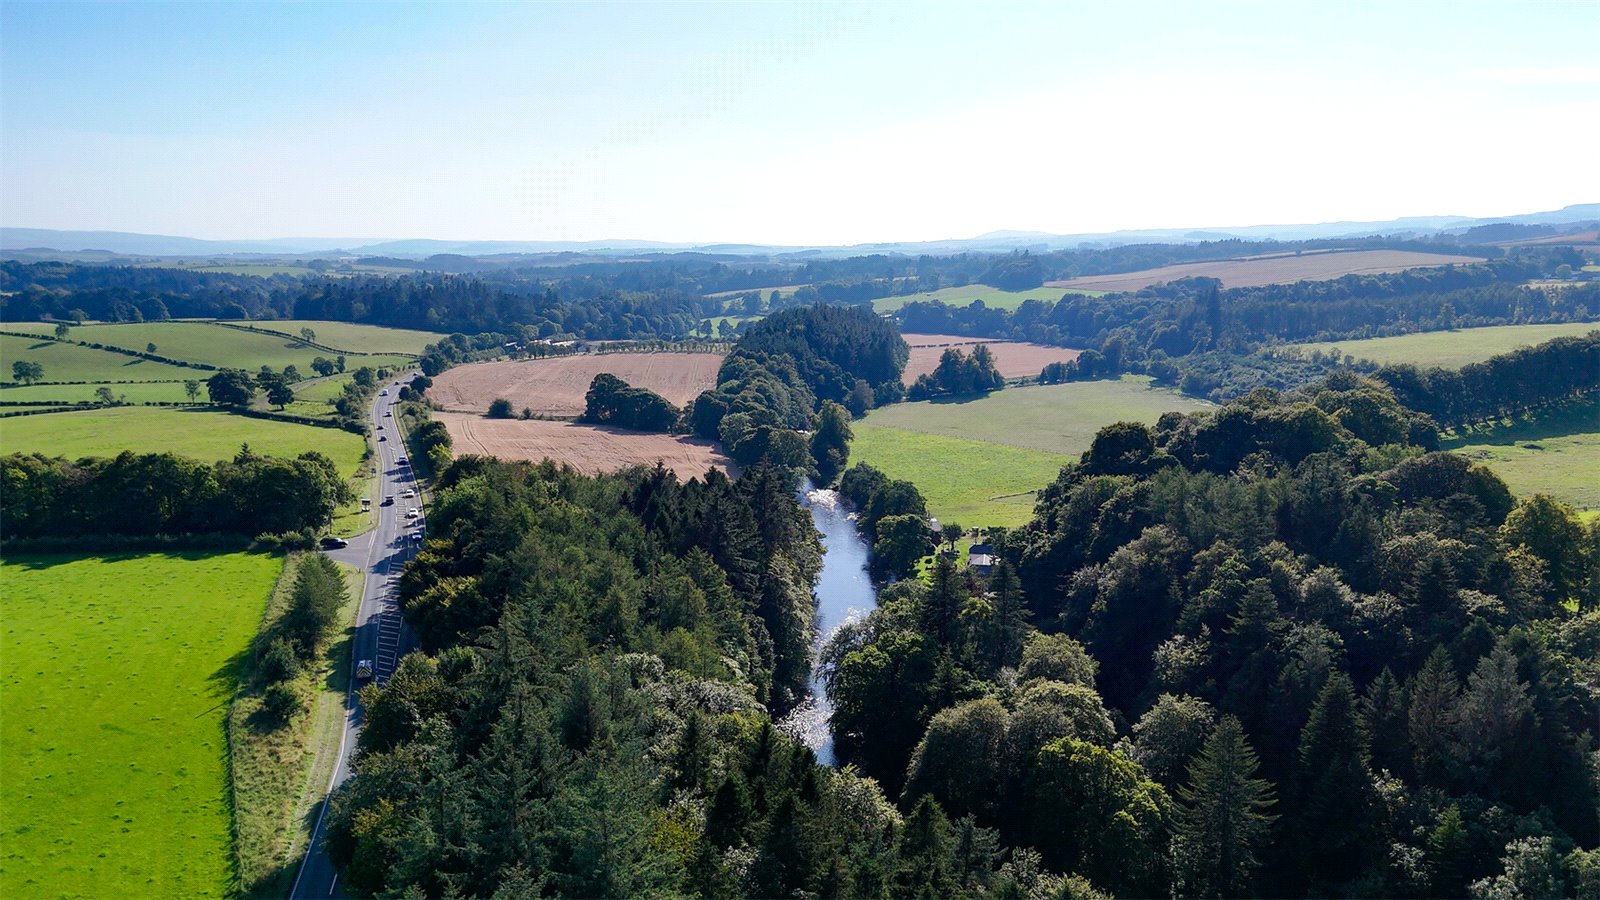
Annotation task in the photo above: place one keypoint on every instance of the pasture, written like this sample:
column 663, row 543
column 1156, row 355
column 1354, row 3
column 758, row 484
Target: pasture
column 1014, row 359
column 203, row 434
column 118, row 672
column 1447, row 349
column 992, row 297
column 1554, row 452
column 584, row 447
column 69, row 362
column 134, row 392
column 971, row 458
column 209, row 344
column 555, row 385
column 354, row 337
column 1276, row 269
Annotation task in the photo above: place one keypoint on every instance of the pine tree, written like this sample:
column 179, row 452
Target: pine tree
column 1336, row 803
column 1383, row 709
column 1431, row 717
column 1448, row 855
column 1223, row 820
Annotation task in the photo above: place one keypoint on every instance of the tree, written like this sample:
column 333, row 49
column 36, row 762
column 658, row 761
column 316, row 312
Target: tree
column 830, row 442
column 951, row 532
column 1169, row 735
column 62, row 330
column 322, row 366
column 279, row 393
column 1095, row 812
column 500, row 408
column 309, row 335
column 231, row 387
column 902, row 540
column 150, row 347
column 27, row 371
column 1336, row 806
column 1549, row 529
column 338, row 363
column 104, row 396
column 192, row 389
column 1223, row 820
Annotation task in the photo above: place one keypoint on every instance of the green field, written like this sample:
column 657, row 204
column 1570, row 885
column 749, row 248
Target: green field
column 969, row 467
column 357, row 338
column 1449, row 349
column 69, row 362
column 137, row 392
column 200, row 433
column 1556, row 452
column 117, row 675
column 202, row 342
column 965, row 294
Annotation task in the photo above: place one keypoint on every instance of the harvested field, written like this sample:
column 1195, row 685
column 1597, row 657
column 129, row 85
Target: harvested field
column 1014, row 359
column 584, row 447
column 555, row 386
column 1281, row 269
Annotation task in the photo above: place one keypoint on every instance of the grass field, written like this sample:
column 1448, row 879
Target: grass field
column 202, row 434
column 965, row 294
column 1271, row 269
column 1449, row 349
column 967, row 464
column 117, row 675
column 964, row 481
column 69, row 362
column 1555, row 452
column 203, row 342
column 357, row 338
column 136, row 392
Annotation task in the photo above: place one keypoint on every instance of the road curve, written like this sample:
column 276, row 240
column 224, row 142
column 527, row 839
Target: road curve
column 380, row 633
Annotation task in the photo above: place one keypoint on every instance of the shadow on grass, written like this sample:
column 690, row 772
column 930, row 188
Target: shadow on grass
column 1580, row 416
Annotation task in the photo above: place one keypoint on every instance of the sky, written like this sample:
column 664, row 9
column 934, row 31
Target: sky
column 810, row 123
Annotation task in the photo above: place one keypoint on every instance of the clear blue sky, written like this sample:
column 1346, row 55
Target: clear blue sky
column 786, row 123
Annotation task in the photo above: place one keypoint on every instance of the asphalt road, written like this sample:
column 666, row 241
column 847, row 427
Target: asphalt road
column 380, row 632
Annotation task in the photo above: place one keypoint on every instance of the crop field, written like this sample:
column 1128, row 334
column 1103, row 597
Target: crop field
column 978, row 461
column 200, row 433
column 586, row 448
column 69, row 362
column 203, row 342
column 1449, row 349
column 555, row 386
column 1555, row 452
column 117, row 675
column 1261, row 270
column 1013, row 358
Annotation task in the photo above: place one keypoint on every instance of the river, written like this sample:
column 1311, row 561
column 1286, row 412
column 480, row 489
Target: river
column 844, row 591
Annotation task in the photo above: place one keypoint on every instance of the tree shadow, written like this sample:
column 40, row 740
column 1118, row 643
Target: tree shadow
column 42, row 345
column 1581, row 416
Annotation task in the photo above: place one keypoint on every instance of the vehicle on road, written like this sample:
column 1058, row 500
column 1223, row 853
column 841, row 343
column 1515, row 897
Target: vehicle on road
column 413, row 513
column 364, row 670
column 384, row 392
column 333, row 543
column 408, row 492
column 383, row 437
column 401, row 461
column 388, row 414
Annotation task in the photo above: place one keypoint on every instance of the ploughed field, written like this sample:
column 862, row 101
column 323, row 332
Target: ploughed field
column 555, row 386
column 1014, row 359
column 584, row 447
column 1260, row 270
column 117, row 672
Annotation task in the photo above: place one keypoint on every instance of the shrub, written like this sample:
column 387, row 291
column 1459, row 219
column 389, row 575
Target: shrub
column 279, row 662
column 500, row 409
column 281, row 702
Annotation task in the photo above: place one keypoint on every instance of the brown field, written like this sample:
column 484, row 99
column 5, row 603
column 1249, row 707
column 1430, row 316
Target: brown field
column 555, row 386
column 1013, row 358
column 1281, row 269
column 584, row 447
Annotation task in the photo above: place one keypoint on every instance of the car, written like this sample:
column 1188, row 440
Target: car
column 382, row 438
column 388, row 501
column 380, row 427
column 384, row 392
column 408, row 492
column 388, row 414
column 401, row 461
column 413, row 513
column 333, row 543
column 364, row 669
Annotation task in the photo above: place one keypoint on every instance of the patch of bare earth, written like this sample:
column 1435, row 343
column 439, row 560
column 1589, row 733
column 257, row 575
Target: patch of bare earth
column 587, row 448
column 1014, row 359
column 1283, row 269
column 554, row 386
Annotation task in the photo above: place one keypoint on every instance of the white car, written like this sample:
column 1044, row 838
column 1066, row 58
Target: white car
column 413, row 513
column 408, row 493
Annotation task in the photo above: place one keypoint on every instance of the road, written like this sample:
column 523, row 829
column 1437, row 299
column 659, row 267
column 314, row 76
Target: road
column 380, row 633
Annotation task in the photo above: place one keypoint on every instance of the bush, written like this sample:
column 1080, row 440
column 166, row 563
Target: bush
column 500, row 409
column 282, row 702
column 279, row 662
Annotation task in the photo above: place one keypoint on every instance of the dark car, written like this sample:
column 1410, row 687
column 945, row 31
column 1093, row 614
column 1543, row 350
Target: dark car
column 333, row 543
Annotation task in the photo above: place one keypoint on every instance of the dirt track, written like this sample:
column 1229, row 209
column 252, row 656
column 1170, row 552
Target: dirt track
column 584, row 447
column 1269, row 270
column 1014, row 359
column 555, row 386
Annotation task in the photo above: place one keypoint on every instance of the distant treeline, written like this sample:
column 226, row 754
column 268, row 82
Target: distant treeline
column 165, row 494
column 1525, row 378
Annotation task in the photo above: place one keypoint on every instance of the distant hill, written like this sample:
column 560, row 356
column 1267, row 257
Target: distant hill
column 42, row 241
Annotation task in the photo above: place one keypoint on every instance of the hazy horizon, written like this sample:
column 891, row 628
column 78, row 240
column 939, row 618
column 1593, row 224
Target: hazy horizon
column 784, row 124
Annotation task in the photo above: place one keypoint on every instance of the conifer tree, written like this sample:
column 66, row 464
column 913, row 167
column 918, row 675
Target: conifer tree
column 1223, row 820
column 1336, row 804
